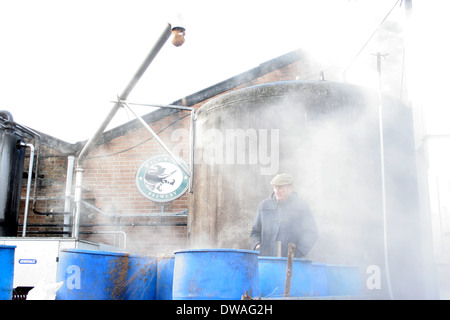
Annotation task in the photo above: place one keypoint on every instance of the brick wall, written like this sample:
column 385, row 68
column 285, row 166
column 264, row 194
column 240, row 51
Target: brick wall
column 49, row 187
column 109, row 184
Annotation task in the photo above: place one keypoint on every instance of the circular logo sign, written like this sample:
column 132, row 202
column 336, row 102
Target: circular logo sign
column 161, row 179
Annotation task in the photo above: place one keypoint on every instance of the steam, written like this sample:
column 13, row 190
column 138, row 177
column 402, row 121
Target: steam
column 326, row 135
column 329, row 141
column 178, row 36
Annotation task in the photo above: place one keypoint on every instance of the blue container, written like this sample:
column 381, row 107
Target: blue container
column 6, row 271
column 215, row 274
column 164, row 282
column 343, row 280
column 272, row 277
column 319, row 279
column 92, row 275
column 141, row 278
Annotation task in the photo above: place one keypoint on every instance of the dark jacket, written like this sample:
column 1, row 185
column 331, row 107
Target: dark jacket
column 288, row 221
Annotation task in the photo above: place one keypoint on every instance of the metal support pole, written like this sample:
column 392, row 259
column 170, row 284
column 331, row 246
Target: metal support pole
column 290, row 262
column 27, row 199
column 124, row 95
column 191, row 146
column 77, row 213
column 383, row 183
column 191, row 133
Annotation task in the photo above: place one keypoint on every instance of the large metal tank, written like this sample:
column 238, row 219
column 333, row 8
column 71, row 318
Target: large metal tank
column 12, row 155
column 327, row 135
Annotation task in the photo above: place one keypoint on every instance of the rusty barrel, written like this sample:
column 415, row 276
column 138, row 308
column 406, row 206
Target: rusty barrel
column 92, row 275
column 272, row 277
column 141, row 278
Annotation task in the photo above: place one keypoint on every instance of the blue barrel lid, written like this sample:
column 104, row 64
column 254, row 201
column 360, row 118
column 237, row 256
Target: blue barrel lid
column 283, row 259
column 4, row 246
column 98, row 252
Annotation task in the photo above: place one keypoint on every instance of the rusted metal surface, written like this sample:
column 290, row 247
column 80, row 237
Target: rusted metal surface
column 290, row 260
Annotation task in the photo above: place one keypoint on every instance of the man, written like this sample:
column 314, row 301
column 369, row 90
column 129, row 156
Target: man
column 283, row 218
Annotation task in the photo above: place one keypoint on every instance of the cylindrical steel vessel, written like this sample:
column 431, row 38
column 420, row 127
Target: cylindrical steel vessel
column 327, row 135
column 7, row 271
column 12, row 156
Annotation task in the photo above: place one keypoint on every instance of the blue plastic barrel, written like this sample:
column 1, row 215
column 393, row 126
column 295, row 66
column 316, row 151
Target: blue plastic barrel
column 215, row 274
column 272, row 277
column 343, row 280
column 164, row 282
column 92, row 275
column 6, row 271
column 319, row 279
column 141, row 278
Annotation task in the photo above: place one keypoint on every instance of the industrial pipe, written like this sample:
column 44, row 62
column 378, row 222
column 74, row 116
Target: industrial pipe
column 37, row 136
column 27, row 198
column 77, row 213
column 148, row 60
column 32, row 135
column 155, row 136
column 93, row 140
column 190, row 172
column 7, row 116
column 106, row 224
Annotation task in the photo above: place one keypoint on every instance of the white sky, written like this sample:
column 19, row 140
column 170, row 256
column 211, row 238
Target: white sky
column 62, row 61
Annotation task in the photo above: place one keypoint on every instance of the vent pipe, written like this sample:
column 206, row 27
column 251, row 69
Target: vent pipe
column 124, row 95
column 94, row 139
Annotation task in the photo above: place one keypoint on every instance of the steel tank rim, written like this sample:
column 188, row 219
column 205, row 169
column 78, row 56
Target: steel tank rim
column 281, row 90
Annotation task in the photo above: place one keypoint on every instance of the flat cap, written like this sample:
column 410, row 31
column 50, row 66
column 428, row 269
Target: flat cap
column 282, row 179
